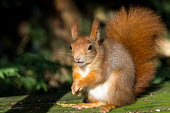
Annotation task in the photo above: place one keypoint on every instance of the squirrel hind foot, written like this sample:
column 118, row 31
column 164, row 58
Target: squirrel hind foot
column 106, row 108
column 88, row 105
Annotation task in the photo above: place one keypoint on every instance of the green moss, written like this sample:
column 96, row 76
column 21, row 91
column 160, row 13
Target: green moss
column 62, row 102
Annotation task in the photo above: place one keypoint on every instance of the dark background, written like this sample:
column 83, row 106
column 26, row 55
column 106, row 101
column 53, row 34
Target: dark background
column 35, row 38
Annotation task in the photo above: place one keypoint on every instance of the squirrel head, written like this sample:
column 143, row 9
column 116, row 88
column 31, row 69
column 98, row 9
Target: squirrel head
column 84, row 48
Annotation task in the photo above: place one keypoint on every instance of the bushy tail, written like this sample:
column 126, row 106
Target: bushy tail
column 138, row 29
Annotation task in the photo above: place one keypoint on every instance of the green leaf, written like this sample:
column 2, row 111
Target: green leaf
column 1, row 75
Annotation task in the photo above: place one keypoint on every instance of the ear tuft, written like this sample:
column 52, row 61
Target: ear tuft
column 95, row 32
column 75, row 30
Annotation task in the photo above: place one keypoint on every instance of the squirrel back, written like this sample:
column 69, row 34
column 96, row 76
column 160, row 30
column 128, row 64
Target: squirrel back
column 138, row 29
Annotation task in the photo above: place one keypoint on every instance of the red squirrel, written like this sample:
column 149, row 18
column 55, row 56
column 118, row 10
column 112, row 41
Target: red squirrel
column 112, row 72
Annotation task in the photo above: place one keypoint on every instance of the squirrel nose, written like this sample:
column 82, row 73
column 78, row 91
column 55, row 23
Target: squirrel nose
column 77, row 58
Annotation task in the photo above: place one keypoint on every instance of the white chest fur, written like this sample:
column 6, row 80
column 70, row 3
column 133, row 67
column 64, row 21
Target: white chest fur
column 84, row 72
column 100, row 92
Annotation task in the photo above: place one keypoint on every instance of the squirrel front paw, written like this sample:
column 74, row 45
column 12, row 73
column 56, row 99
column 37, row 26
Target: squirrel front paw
column 73, row 87
column 77, row 87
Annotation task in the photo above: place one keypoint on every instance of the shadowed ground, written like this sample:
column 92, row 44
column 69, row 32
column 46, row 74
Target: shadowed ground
column 157, row 100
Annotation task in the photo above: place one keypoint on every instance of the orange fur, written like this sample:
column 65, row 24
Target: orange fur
column 88, row 105
column 83, row 82
column 89, row 79
column 95, row 28
column 75, row 30
column 106, row 108
column 76, row 76
column 138, row 29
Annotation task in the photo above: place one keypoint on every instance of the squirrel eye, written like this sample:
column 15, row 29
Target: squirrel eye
column 70, row 47
column 90, row 47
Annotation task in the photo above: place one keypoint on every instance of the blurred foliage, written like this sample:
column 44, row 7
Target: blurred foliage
column 9, row 72
column 29, row 48
column 27, row 72
column 163, row 71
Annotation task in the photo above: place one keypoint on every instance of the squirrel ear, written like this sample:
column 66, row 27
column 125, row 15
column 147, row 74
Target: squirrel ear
column 75, row 30
column 95, row 32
